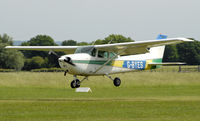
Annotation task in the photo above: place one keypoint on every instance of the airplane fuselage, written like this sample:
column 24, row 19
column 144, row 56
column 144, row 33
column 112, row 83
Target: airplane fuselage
column 86, row 65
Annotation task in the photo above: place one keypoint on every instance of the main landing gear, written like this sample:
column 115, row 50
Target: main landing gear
column 76, row 83
column 116, row 80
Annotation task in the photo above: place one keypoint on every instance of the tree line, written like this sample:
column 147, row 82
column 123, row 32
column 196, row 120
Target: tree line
column 188, row 52
column 28, row 60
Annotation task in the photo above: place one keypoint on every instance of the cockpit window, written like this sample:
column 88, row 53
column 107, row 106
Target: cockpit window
column 111, row 54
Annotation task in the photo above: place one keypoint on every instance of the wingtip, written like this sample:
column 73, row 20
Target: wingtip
column 10, row 47
column 188, row 40
column 7, row 47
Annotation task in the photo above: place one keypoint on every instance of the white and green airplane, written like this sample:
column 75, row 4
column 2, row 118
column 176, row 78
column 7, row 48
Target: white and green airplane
column 96, row 60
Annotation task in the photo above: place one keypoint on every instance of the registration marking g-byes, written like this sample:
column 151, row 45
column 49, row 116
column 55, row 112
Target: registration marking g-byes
column 140, row 65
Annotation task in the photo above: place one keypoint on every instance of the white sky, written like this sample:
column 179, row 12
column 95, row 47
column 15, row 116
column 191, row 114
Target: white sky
column 89, row 20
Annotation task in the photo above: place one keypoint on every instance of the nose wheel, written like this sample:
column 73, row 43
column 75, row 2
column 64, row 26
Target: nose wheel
column 76, row 83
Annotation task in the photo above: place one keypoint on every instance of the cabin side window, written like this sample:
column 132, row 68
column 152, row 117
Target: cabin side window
column 105, row 54
column 102, row 54
column 111, row 54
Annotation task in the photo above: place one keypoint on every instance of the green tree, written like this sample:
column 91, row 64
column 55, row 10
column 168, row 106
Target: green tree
column 82, row 44
column 189, row 52
column 6, row 39
column 10, row 58
column 113, row 38
column 40, row 40
column 69, row 43
column 13, row 59
column 34, row 63
column 170, row 54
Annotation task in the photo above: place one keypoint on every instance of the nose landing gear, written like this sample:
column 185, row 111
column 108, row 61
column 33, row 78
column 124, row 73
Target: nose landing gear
column 76, row 83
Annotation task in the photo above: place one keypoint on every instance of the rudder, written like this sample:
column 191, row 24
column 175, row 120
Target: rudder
column 158, row 52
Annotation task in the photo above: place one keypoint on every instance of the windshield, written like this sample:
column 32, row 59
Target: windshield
column 88, row 50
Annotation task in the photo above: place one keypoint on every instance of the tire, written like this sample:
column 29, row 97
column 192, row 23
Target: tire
column 78, row 83
column 73, row 84
column 117, row 82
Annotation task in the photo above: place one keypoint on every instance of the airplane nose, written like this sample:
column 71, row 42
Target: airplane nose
column 67, row 60
column 61, row 59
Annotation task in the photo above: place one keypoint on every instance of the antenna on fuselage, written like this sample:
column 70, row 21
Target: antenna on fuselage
column 110, row 41
column 94, row 42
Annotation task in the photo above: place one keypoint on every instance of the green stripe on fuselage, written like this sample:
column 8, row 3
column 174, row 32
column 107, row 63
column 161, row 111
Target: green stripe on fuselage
column 156, row 61
column 92, row 62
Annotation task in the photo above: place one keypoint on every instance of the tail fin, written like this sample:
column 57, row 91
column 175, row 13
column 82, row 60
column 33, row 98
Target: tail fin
column 160, row 36
column 158, row 52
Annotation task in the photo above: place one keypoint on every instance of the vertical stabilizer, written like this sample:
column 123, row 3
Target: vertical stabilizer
column 158, row 52
column 160, row 36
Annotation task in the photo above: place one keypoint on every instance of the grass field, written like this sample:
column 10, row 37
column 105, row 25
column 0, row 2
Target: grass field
column 143, row 96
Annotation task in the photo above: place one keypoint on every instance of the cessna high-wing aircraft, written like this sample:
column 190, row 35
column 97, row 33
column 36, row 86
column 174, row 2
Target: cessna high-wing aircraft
column 96, row 60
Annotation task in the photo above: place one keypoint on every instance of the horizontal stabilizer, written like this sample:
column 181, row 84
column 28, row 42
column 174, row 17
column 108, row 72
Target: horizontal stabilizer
column 168, row 63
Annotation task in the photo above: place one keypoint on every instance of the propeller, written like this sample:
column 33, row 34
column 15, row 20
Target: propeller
column 53, row 53
column 67, row 59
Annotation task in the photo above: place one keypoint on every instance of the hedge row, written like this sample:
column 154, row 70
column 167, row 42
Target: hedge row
column 48, row 70
column 7, row 70
column 36, row 70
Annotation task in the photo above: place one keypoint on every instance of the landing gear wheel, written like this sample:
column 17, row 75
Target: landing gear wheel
column 117, row 82
column 75, row 83
column 78, row 83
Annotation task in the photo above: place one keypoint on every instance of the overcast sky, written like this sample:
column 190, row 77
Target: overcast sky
column 88, row 20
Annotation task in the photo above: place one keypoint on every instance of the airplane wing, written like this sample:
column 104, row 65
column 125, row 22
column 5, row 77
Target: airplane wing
column 139, row 47
column 66, row 49
column 127, row 48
